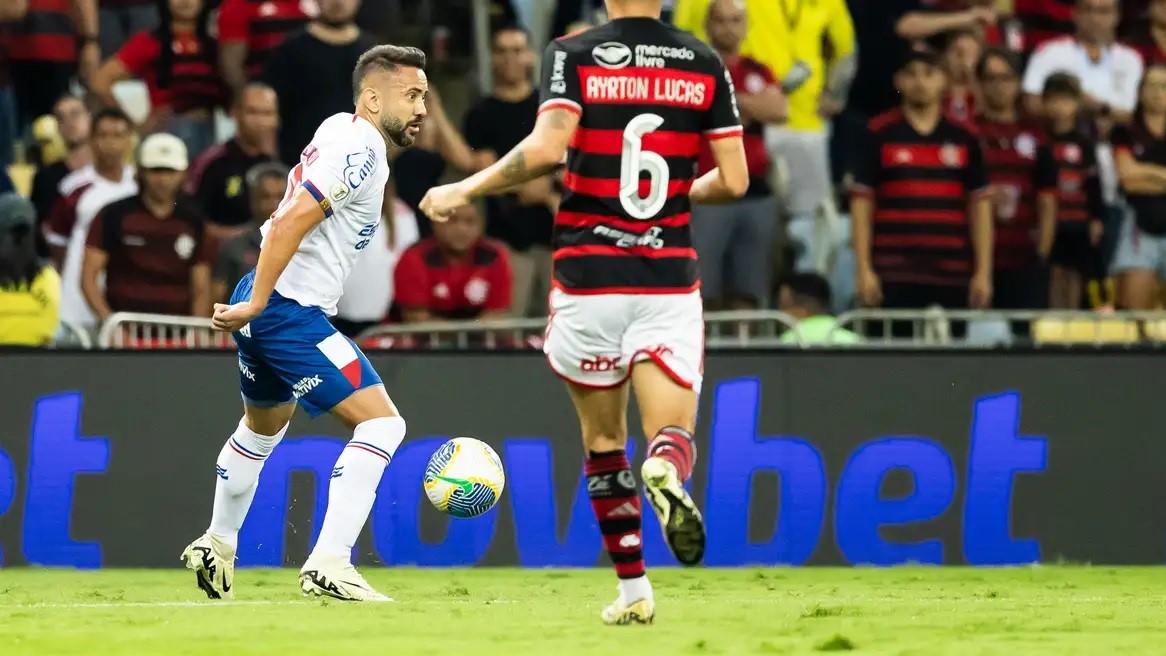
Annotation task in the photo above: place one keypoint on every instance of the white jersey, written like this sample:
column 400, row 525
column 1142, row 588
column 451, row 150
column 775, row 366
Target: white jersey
column 345, row 169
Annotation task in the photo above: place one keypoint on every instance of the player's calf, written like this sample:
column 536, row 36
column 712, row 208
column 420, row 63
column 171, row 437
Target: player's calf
column 675, row 446
column 616, row 503
column 671, row 455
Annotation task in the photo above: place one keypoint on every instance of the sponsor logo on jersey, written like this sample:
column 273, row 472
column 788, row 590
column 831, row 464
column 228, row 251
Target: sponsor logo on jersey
column 558, row 78
column 245, row 370
column 309, row 155
column 657, row 56
column 358, row 166
column 612, row 55
column 599, row 363
column 650, row 238
column 732, row 95
column 305, row 385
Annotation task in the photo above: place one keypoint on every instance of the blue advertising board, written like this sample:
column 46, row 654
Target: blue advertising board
column 862, row 477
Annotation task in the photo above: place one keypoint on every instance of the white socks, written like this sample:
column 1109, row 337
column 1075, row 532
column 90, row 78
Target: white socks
column 633, row 590
column 238, row 469
column 354, row 483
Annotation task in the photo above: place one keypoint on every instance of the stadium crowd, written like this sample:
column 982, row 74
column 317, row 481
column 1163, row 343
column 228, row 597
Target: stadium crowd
column 902, row 154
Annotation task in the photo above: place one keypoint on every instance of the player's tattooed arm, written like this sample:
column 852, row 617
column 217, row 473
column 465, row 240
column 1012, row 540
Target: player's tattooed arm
column 537, row 155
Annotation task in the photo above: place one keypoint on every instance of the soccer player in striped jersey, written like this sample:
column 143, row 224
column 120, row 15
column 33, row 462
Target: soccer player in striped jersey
column 290, row 354
column 628, row 104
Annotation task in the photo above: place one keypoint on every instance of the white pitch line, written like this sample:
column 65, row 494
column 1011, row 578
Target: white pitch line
column 227, row 604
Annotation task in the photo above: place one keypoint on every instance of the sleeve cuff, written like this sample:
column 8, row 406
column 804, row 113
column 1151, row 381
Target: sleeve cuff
column 861, row 190
column 561, row 103
column 724, row 133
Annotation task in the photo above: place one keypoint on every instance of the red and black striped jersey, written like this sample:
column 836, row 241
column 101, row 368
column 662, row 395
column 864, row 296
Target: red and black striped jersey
column 1044, row 20
column 921, row 186
column 1020, row 168
column 752, row 76
column 645, row 93
column 262, row 25
column 46, row 33
column 1079, row 199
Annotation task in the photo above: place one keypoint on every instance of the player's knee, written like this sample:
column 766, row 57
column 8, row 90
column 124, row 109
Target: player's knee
column 385, row 433
column 268, row 421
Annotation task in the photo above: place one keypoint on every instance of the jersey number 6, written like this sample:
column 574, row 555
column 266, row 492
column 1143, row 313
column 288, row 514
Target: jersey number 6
column 635, row 160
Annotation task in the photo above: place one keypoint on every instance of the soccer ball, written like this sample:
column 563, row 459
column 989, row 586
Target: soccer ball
column 464, row 477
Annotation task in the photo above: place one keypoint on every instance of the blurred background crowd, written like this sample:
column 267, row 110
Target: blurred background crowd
column 142, row 143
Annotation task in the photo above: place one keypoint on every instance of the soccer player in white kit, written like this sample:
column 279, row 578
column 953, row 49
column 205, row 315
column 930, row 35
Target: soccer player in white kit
column 290, row 354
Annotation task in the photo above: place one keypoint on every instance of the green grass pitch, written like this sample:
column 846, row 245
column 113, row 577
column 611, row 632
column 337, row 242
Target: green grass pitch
column 510, row 612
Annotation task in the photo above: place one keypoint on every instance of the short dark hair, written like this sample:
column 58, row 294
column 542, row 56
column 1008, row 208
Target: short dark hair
column 507, row 27
column 996, row 52
column 111, row 114
column 385, row 57
column 956, row 35
column 263, row 171
column 253, row 85
column 809, row 290
column 1062, row 84
column 69, row 96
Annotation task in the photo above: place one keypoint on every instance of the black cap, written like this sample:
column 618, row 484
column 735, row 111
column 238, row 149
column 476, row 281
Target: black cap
column 920, row 54
column 16, row 211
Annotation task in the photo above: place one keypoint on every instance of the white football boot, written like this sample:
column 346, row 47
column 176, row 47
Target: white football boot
column 335, row 577
column 213, row 564
column 679, row 518
column 621, row 613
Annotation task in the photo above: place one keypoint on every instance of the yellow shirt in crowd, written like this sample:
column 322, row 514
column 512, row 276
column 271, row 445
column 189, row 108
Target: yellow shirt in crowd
column 782, row 32
column 29, row 315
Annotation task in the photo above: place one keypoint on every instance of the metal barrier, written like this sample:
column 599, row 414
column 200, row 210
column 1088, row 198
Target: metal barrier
column 723, row 330
column 962, row 329
column 132, row 330
column 929, row 328
column 71, row 335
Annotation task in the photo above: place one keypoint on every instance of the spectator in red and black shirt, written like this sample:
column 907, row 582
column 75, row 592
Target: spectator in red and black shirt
column 455, row 274
column 250, row 29
column 1044, row 20
column 151, row 247
column 1149, row 36
column 921, row 214
column 1076, row 256
column 177, row 63
column 1139, row 152
column 1024, row 187
column 960, row 57
column 52, row 42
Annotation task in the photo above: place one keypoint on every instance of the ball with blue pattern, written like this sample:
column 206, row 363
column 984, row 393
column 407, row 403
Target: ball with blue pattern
column 464, row 477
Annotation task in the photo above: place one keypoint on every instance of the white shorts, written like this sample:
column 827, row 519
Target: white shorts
column 594, row 340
